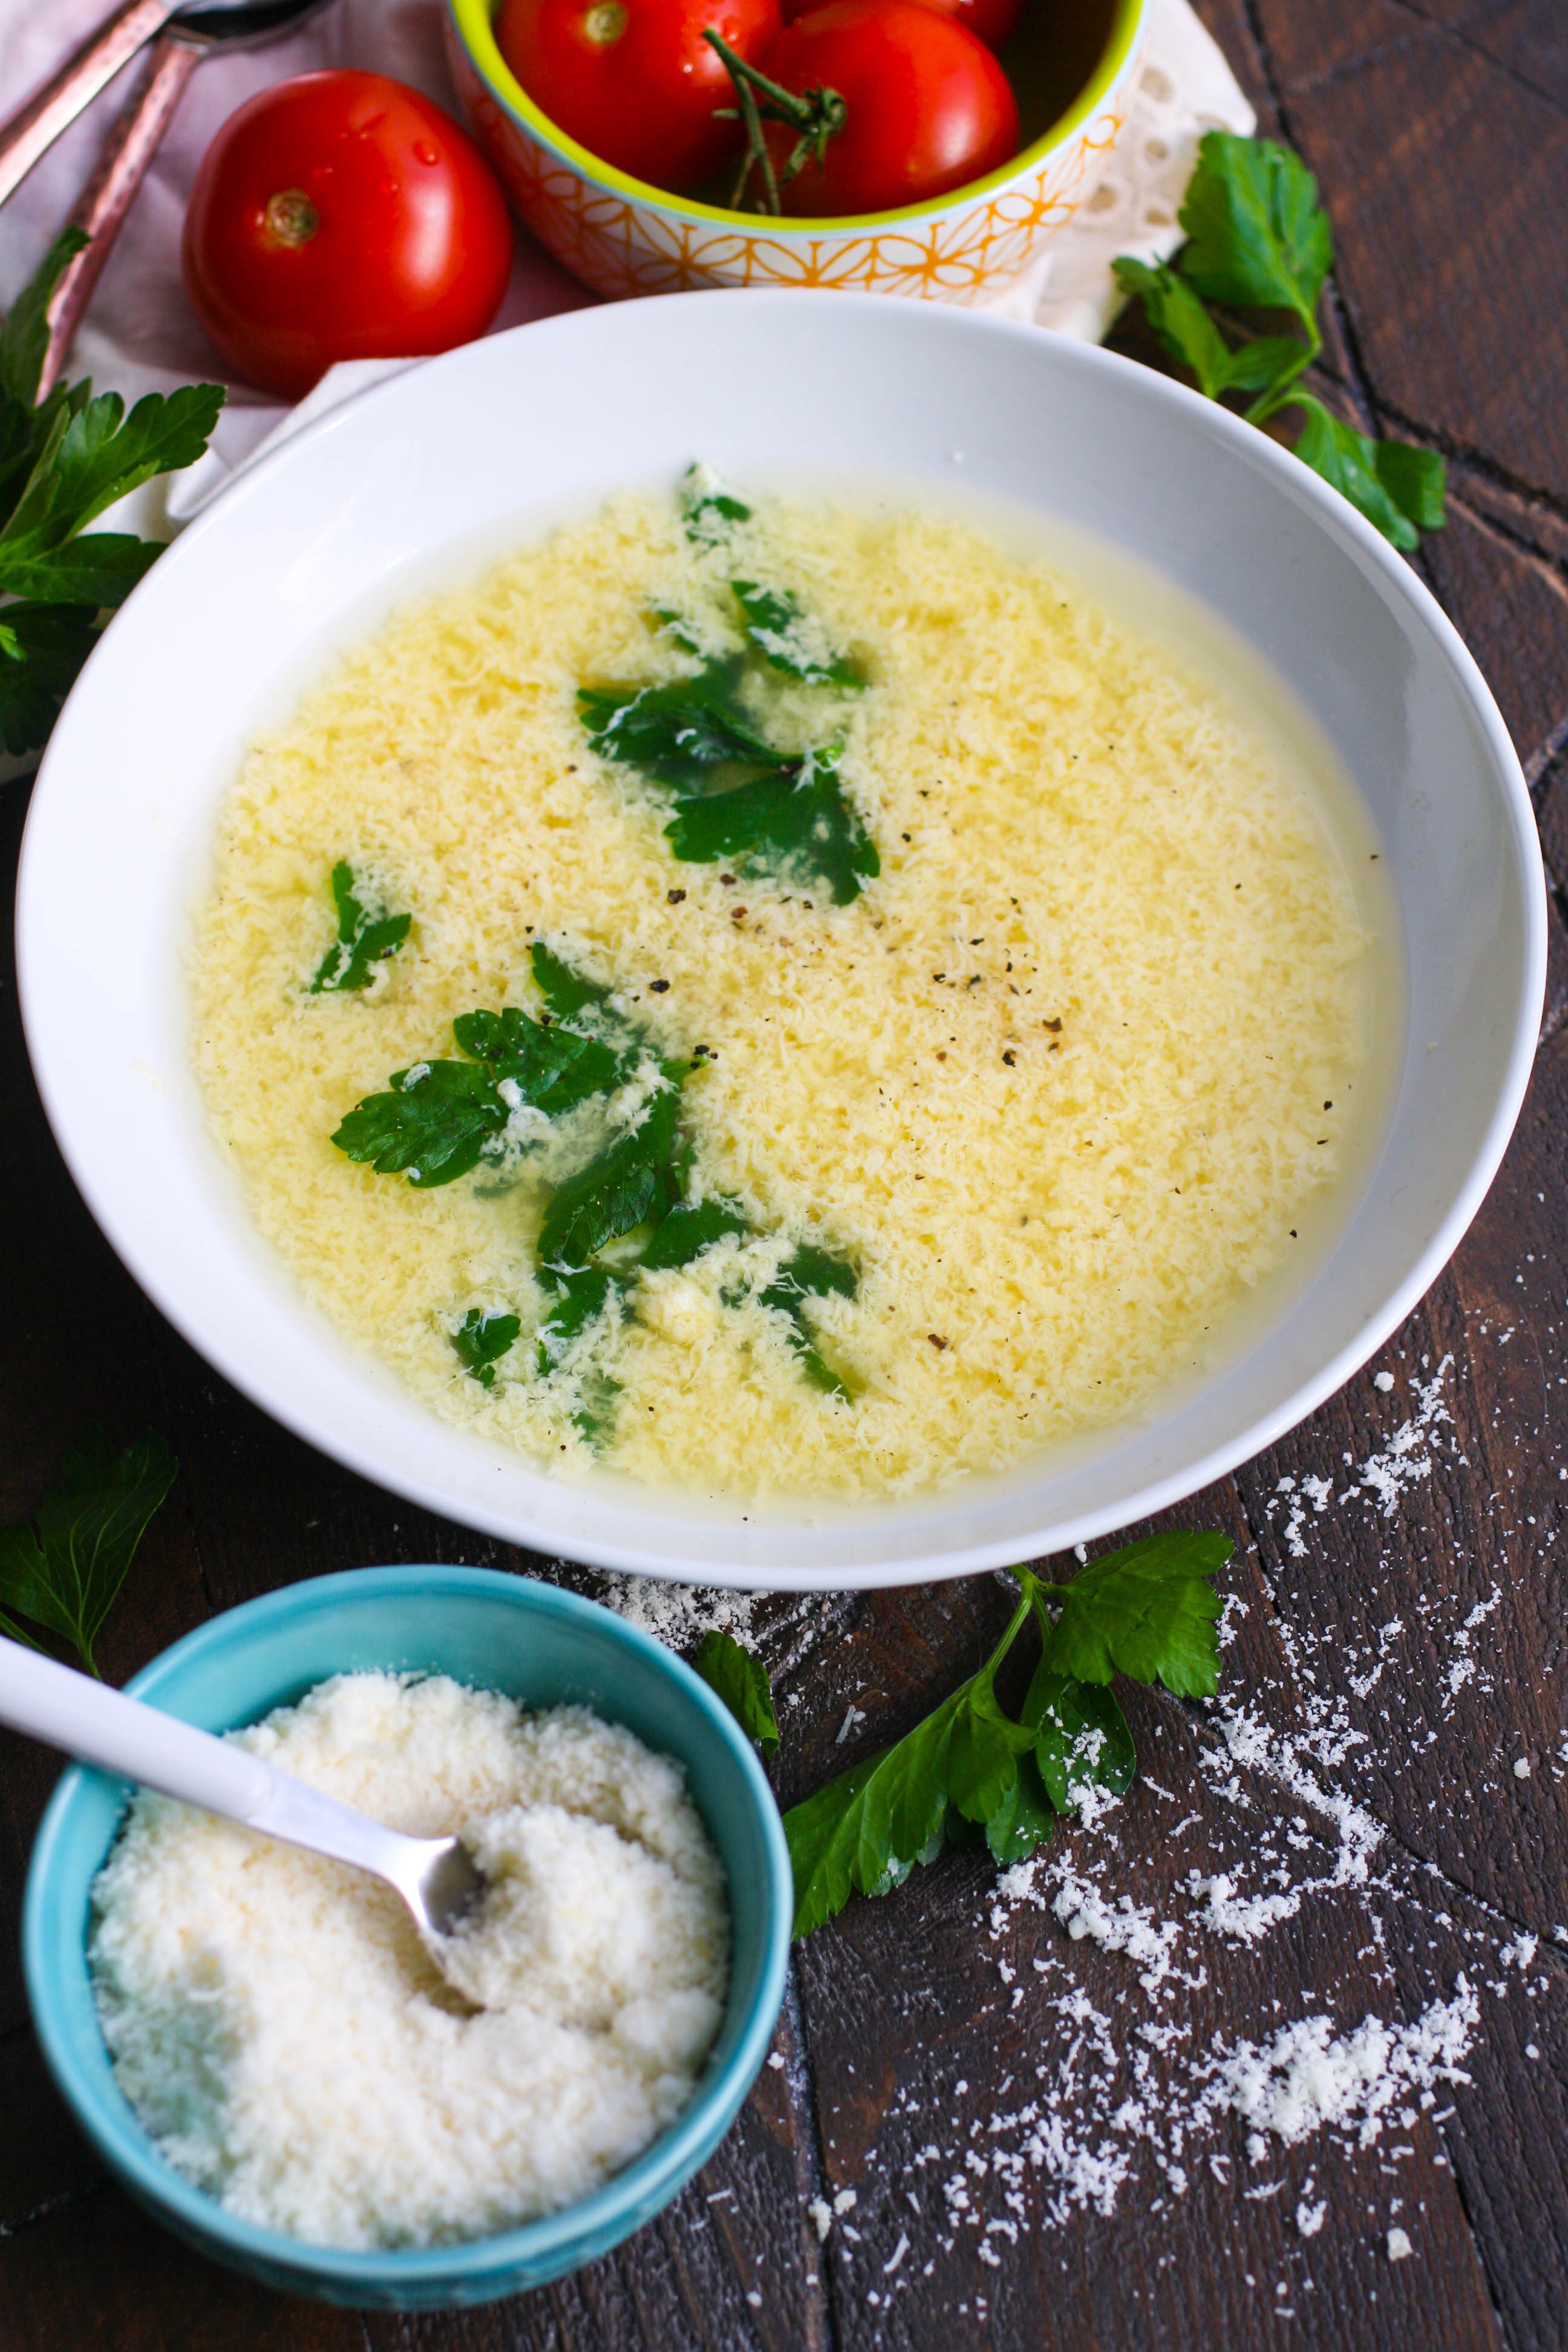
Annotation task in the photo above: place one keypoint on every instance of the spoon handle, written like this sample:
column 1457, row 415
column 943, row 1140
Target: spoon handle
column 109, row 194
column 119, row 1735
column 32, row 131
column 137, row 1742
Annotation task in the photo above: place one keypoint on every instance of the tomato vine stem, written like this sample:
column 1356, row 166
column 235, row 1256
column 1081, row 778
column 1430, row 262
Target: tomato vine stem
column 816, row 115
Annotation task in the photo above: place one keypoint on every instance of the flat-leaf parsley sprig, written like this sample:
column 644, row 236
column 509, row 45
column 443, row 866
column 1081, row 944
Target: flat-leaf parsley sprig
column 363, row 939
column 63, row 1572
column 973, row 1772
column 1258, row 239
column 735, row 796
column 741, row 1680
column 632, row 1197
column 63, row 460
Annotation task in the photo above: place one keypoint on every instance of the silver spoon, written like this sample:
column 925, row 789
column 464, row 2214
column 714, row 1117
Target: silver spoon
column 135, row 140
column 437, row 1878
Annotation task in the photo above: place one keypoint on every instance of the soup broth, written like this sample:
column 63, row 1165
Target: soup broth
column 993, row 1143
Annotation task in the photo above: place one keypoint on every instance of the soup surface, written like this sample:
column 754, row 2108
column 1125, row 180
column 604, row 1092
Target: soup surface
column 994, row 1068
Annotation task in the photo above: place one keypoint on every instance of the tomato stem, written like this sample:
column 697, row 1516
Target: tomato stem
column 291, row 218
column 817, row 114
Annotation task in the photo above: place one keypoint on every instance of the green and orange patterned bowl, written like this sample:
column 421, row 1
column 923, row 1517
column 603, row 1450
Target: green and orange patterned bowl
column 1071, row 63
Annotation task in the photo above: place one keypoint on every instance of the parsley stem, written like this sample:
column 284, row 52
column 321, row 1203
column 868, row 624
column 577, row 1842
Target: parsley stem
column 1278, row 394
column 1026, row 1602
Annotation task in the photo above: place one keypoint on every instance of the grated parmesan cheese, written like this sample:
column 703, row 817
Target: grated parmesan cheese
column 284, row 2037
column 1063, row 1081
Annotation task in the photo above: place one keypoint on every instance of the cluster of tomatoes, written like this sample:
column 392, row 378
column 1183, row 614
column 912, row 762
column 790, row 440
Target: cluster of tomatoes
column 924, row 106
column 341, row 214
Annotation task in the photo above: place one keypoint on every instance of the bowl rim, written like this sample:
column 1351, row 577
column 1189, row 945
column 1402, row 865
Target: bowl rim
column 937, row 1557
column 471, row 23
column 659, row 2173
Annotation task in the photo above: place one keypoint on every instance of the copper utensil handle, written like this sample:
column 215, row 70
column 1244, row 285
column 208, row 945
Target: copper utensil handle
column 34, row 128
column 109, row 194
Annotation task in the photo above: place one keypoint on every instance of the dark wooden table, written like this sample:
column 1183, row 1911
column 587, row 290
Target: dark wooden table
column 940, row 2055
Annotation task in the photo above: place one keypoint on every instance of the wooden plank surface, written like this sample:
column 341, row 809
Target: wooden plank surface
column 1014, row 2118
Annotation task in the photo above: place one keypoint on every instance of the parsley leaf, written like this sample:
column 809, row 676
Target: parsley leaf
column 64, row 1572
column 62, row 461
column 1147, row 1611
column 1083, row 1735
column 1394, row 485
column 585, row 1006
column 691, row 1228
column 42, row 647
column 553, row 1069
column 741, row 1681
column 1260, row 239
column 681, row 733
column 25, row 337
column 1257, row 236
column 636, row 1177
column 798, row 824
column 362, row 939
column 866, row 1830
column 482, row 1338
column 101, row 569
column 1021, row 1823
column 567, row 993
column 431, row 1126
column 678, row 626
column 99, row 457
column 581, row 1295
column 1180, row 321
column 439, row 1118
column 971, row 1770
column 810, row 1273
column 708, row 512
column 737, row 796
column 782, row 633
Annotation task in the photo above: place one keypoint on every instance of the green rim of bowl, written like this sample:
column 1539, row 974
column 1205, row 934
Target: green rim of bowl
column 475, row 2269
column 471, row 21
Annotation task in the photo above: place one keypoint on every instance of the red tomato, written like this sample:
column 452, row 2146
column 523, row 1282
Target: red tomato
column 929, row 107
column 633, row 81
column 990, row 21
column 342, row 216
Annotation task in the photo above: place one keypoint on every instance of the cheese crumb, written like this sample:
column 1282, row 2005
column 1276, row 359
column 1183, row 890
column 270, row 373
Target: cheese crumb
column 293, row 2048
column 1399, row 2246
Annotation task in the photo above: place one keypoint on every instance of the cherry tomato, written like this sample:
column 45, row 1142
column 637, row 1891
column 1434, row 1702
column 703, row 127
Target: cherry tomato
column 342, row 216
column 929, row 107
column 633, row 81
column 990, row 21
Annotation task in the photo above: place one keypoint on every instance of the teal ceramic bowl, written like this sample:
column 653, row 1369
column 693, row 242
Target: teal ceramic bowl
column 545, row 1647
